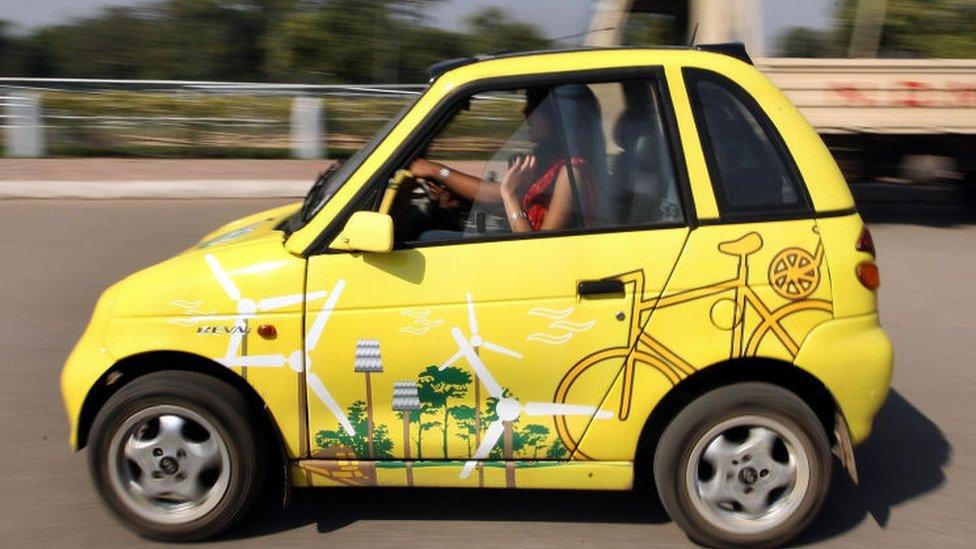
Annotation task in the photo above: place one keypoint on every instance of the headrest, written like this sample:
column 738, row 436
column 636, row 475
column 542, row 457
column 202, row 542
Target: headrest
column 645, row 152
column 628, row 129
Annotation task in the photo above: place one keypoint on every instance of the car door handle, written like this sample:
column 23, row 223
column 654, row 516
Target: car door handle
column 599, row 287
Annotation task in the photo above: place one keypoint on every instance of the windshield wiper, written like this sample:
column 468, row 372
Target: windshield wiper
column 314, row 196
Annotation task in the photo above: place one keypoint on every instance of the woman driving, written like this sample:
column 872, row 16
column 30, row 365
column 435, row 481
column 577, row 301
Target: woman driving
column 551, row 188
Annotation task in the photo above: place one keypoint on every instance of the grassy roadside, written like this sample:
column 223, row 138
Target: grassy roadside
column 195, row 125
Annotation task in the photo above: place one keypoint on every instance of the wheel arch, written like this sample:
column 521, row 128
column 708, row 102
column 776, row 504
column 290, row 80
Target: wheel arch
column 777, row 372
column 135, row 366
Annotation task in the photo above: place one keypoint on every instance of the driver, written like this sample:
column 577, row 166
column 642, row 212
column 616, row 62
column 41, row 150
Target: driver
column 536, row 191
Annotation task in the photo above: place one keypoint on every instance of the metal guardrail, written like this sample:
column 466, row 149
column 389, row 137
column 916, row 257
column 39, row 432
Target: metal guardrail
column 209, row 86
column 40, row 115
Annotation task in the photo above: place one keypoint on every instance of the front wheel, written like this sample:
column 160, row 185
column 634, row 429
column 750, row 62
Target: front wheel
column 174, row 455
column 744, row 465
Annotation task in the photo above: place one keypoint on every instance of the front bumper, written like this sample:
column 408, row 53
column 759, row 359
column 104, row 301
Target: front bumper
column 88, row 361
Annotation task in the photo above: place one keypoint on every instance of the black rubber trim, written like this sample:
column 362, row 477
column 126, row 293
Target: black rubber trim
column 735, row 50
column 442, row 113
column 772, row 217
column 528, row 235
column 729, row 49
column 670, row 124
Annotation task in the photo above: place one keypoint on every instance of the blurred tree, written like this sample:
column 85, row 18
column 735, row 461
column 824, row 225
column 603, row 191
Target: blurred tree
column 911, row 28
column 326, row 40
column 213, row 39
column 922, row 28
column 42, row 55
column 352, row 40
column 348, row 41
column 492, row 31
column 652, row 29
column 10, row 49
column 806, row 42
column 112, row 45
column 422, row 46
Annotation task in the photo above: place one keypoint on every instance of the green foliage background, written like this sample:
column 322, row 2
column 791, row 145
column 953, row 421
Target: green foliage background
column 320, row 41
column 298, row 41
column 912, row 28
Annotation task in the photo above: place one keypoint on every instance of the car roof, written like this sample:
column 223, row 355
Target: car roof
column 732, row 49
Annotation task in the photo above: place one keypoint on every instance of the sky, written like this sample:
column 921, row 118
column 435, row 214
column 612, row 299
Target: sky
column 560, row 17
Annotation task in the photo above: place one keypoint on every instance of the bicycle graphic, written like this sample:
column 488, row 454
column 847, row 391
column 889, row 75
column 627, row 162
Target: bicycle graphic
column 794, row 274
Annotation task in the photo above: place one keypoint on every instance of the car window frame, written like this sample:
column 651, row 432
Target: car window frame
column 443, row 112
column 727, row 213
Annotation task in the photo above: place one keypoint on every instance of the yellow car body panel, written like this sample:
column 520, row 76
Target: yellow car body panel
column 695, row 323
column 351, row 325
column 414, row 304
column 180, row 306
column 853, row 357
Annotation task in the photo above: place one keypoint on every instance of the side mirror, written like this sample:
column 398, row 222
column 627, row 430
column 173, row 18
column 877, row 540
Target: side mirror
column 366, row 232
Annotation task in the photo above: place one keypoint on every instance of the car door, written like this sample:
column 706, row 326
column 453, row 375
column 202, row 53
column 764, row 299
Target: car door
column 498, row 346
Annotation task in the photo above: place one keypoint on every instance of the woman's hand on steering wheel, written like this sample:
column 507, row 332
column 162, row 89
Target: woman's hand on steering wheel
column 442, row 197
column 422, row 168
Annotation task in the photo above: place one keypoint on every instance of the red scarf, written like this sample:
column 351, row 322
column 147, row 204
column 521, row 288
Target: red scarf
column 536, row 199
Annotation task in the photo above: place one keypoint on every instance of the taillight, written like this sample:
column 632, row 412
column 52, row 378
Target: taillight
column 867, row 273
column 865, row 243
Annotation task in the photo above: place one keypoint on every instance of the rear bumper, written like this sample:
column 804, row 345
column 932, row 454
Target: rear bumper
column 853, row 357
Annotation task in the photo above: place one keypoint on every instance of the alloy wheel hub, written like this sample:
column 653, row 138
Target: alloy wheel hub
column 747, row 474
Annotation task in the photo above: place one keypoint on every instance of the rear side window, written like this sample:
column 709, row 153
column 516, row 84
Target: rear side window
column 752, row 172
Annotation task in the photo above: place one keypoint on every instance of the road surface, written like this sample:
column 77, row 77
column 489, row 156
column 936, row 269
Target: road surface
column 918, row 472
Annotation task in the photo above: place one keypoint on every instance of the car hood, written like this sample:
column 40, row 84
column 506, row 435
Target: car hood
column 249, row 227
column 246, row 257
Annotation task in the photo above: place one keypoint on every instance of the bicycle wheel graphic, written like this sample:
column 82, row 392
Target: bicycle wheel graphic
column 794, row 274
column 608, row 361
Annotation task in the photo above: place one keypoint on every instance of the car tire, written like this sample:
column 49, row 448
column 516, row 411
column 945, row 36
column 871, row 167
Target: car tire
column 722, row 466
column 197, row 437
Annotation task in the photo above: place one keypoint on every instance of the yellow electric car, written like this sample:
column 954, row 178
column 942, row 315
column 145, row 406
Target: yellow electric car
column 571, row 269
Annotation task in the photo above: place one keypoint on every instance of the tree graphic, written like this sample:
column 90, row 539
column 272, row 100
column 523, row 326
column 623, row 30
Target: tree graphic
column 534, row 436
column 424, row 426
column 464, row 421
column 414, row 417
column 357, row 443
column 437, row 387
column 557, row 451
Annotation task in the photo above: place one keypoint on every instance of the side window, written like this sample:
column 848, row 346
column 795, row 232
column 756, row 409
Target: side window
column 751, row 170
column 571, row 157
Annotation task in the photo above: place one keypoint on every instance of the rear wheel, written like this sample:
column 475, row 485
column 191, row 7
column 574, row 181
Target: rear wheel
column 173, row 454
column 747, row 464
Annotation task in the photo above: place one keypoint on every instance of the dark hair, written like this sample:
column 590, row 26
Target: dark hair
column 579, row 119
column 535, row 97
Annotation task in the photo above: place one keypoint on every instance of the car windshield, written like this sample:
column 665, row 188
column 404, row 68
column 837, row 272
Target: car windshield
column 330, row 181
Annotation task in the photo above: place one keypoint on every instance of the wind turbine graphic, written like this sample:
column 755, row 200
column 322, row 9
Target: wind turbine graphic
column 477, row 342
column 248, row 308
column 508, row 409
column 297, row 360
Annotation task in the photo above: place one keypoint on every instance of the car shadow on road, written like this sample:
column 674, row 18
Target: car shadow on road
column 332, row 510
column 903, row 459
